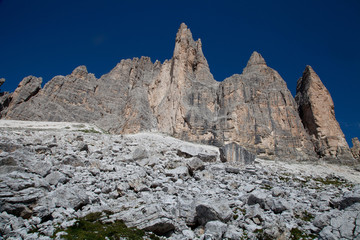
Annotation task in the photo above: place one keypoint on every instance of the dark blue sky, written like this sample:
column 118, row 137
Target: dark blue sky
column 46, row 38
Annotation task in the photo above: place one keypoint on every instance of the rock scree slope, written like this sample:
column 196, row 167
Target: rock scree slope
column 180, row 97
column 55, row 175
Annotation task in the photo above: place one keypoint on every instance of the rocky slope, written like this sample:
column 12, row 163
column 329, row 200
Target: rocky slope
column 51, row 174
column 180, row 97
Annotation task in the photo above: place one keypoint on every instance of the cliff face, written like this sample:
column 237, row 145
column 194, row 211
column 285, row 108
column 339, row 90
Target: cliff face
column 316, row 109
column 180, row 97
column 183, row 97
column 258, row 111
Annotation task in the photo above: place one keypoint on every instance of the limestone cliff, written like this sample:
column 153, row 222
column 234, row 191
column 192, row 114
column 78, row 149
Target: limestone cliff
column 180, row 97
column 258, row 112
column 183, row 96
column 316, row 109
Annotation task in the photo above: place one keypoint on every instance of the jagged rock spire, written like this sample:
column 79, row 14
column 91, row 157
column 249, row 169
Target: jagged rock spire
column 2, row 80
column 255, row 62
column 316, row 110
column 80, row 72
column 188, row 55
column 183, row 40
column 256, row 59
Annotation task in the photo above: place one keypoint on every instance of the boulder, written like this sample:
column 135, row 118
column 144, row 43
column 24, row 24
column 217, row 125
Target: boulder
column 215, row 230
column 56, row 177
column 233, row 153
column 68, row 197
column 257, row 197
column 211, row 211
column 278, row 205
column 195, row 164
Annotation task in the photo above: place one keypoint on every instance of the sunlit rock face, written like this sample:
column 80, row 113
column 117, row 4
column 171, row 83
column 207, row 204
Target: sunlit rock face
column 180, row 97
column 316, row 109
column 258, row 111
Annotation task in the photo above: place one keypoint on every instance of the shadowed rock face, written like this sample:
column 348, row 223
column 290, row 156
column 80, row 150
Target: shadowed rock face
column 316, row 109
column 179, row 97
column 355, row 150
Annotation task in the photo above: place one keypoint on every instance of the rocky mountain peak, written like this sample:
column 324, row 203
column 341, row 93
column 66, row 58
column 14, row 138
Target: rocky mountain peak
column 183, row 40
column 255, row 63
column 316, row 110
column 80, row 72
column 256, row 59
column 310, row 75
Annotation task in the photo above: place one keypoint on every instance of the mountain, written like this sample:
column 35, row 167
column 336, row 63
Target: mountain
column 180, row 97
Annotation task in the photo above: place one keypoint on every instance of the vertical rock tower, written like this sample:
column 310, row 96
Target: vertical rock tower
column 316, row 109
column 258, row 112
column 183, row 96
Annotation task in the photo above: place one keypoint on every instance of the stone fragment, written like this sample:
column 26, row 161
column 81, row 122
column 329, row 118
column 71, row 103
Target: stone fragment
column 207, row 211
column 278, row 205
column 233, row 153
column 68, row 197
column 232, row 170
column 188, row 234
column 207, row 157
column 195, row 164
column 83, row 147
column 139, row 154
column 257, row 197
column 348, row 200
column 327, row 234
column 42, row 168
column 161, row 227
column 255, row 213
column 277, row 192
column 56, row 177
column 233, row 233
column 215, row 230
column 73, row 160
column 322, row 220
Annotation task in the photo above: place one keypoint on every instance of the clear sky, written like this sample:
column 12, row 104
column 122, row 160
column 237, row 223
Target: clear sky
column 46, row 38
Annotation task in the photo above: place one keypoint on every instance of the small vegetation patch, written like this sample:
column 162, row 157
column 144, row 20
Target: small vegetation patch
column 284, row 178
column 297, row 234
column 266, row 187
column 94, row 226
column 92, row 130
column 305, row 216
column 335, row 181
column 261, row 235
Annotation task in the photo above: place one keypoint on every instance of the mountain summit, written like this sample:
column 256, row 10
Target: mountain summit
column 180, row 97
